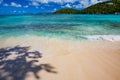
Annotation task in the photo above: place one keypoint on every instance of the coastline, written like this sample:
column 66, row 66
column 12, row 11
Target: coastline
column 74, row 40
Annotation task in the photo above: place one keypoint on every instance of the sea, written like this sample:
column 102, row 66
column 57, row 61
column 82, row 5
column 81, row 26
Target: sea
column 82, row 27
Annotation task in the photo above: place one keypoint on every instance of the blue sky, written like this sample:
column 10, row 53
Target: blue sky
column 41, row 6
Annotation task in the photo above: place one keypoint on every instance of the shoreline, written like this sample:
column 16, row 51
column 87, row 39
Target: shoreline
column 81, row 38
column 31, row 40
column 66, row 59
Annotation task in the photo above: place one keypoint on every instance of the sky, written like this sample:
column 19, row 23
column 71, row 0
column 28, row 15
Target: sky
column 42, row 6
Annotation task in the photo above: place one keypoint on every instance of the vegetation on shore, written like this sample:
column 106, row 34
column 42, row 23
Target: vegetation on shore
column 67, row 10
column 107, row 7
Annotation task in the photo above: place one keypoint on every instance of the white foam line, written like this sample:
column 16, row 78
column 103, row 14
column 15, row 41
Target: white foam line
column 104, row 37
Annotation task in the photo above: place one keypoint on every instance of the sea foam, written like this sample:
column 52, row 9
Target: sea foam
column 104, row 37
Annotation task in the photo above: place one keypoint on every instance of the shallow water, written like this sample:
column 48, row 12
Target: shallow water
column 66, row 26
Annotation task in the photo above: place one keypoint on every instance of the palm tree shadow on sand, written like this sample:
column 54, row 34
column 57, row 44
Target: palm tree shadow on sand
column 18, row 67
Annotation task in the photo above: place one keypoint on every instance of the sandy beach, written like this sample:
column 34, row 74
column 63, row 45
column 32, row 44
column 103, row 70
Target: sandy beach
column 59, row 59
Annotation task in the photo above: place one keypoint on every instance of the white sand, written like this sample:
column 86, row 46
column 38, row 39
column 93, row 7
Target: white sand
column 73, row 60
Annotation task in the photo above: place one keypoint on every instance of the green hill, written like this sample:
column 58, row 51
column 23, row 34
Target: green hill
column 67, row 10
column 108, row 7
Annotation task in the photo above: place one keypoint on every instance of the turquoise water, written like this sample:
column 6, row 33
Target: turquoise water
column 67, row 26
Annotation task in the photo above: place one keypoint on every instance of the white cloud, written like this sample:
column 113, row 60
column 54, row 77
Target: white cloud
column 1, row 1
column 5, row 4
column 78, row 6
column 68, row 6
column 86, row 3
column 26, row 6
column 70, row 1
column 94, row 1
column 35, row 4
column 55, row 1
column 42, row 7
column 82, row 3
column 54, row 9
column 12, row 4
column 36, row 7
column 14, row 11
column 65, row 1
column 15, row 5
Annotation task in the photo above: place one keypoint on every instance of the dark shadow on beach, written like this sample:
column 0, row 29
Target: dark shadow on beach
column 18, row 67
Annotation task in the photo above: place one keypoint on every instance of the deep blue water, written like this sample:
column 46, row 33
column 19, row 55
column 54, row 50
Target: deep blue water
column 63, row 26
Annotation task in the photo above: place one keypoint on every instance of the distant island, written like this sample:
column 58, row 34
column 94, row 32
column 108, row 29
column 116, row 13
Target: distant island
column 107, row 7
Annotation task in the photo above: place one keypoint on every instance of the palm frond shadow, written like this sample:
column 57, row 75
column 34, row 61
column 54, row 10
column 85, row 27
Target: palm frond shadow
column 18, row 67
